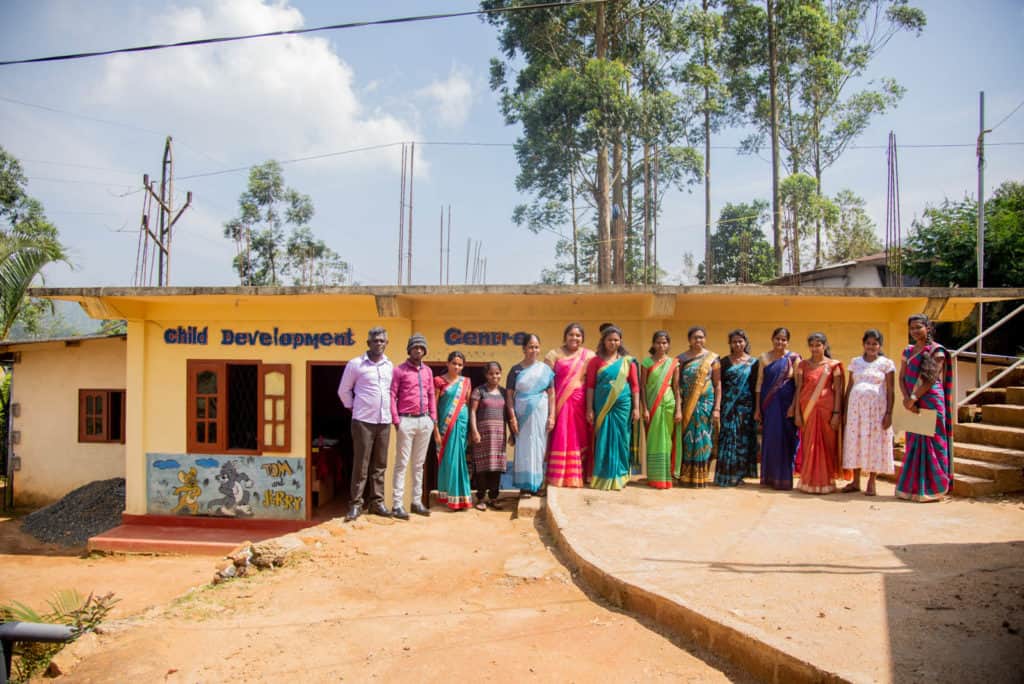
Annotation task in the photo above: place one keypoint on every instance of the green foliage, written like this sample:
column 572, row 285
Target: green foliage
column 853, row 233
column 66, row 607
column 28, row 243
column 740, row 251
column 264, row 254
column 802, row 210
column 940, row 249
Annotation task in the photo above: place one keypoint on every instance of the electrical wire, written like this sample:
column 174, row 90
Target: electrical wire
column 295, row 32
column 1003, row 120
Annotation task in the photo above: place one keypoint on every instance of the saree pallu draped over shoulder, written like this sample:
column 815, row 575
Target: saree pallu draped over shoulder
column 569, row 457
column 613, row 406
column 778, row 432
column 820, row 445
column 927, row 472
column 453, row 488
column 531, row 407
column 697, row 393
column 661, row 429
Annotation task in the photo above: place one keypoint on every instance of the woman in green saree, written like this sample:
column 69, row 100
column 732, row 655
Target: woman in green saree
column 659, row 376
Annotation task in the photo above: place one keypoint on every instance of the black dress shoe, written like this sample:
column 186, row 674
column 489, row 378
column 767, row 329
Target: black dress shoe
column 379, row 509
column 420, row 509
column 399, row 512
column 353, row 513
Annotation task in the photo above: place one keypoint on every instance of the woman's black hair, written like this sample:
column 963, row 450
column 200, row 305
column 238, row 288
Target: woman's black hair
column 876, row 334
column 689, row 333
column 577, row 326
column 491, row 364
column 607, row 330
column 777, row 331
column 927, row 324
column 820, row 337
column 457, row 354
column 530, row 336
column 656, row 335
column 740, row 332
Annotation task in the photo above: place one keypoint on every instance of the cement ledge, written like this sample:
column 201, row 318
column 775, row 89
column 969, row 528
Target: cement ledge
column 716, row 632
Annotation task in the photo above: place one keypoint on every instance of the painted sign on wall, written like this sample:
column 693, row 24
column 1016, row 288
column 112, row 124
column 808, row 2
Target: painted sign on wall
column 226, row 486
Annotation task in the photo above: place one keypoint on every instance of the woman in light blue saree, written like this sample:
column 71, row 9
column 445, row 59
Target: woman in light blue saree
column 613, row 406
column 531, row 392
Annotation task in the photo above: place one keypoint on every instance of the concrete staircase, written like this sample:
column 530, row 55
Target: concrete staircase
column 988, row 455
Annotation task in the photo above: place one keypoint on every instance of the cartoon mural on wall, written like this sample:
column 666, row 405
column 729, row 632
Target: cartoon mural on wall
column 226, row 486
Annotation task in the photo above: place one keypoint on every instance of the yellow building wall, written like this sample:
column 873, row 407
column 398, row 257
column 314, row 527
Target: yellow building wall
column 45, row 386
column 156, row 370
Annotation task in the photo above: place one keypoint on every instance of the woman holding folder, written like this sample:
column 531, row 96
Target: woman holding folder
column 926, row 382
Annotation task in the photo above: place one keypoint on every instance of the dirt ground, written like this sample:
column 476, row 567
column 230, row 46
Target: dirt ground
column 461, row 596
column 31, row 572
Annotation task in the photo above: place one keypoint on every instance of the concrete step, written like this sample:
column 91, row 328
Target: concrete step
column 993, row 395
column 1008, row 477
column 990, row 454
column 963, row 484
column 994, row 435
column 184, row 539
column 1015, row 395
column 1003, row 414
column 1015, row 378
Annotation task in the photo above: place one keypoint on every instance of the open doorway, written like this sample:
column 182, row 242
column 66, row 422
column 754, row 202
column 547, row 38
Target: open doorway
column 475, row 372
column 329, row 445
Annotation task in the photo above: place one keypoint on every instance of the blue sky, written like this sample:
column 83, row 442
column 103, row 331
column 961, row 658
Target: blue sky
column 238, row 104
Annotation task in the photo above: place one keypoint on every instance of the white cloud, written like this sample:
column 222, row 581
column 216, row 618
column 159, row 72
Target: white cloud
column 452, row 97
column 280, row 97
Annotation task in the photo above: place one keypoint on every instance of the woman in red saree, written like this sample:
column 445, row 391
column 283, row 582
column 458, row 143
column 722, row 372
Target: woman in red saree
column 817, row 411
column 569, row 455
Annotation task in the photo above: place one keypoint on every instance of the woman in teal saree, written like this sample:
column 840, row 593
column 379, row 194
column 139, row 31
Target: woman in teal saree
column 613, row 406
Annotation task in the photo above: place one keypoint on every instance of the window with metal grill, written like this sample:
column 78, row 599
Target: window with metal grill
column 238, row 407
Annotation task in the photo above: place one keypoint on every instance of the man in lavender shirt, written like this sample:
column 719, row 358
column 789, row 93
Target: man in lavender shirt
column 414, row 413
column 365, row 390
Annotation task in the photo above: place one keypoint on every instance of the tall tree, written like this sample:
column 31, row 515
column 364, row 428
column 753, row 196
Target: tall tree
column 853, row 234
column 803, row 210
column 28, row 243
column 265, row 208
column 741, row 253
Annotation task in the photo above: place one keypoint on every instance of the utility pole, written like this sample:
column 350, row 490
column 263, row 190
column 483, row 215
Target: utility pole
column 165, row 224
column 448, row 250
column 401, row 217
column 440, row 252
column 773, row 77
column 412, row 159
column 981, row 228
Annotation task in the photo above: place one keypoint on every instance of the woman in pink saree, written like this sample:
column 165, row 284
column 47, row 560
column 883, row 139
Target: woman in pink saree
column 569, row 448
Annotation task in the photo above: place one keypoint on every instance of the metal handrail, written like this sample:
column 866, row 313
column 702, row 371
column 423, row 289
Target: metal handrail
column 956, row 370
column 13, row 632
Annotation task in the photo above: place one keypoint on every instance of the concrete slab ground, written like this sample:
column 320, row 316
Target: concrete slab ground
column 796, row 587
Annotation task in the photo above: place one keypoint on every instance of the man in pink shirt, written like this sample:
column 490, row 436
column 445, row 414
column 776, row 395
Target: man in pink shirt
column 414, row 413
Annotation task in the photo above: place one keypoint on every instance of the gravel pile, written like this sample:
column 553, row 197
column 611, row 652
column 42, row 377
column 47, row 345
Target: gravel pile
column 85, row 512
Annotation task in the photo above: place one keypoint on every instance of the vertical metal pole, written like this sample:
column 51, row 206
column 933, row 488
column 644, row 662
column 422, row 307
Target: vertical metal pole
column 412, row 160
column 440, row 251
column 448, row 250
column 401, row 218
column 981, row 229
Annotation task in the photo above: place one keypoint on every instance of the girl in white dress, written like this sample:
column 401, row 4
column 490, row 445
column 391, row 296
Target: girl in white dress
column 867, row 438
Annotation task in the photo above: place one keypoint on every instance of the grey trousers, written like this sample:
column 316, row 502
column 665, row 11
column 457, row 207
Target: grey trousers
column 369, row 460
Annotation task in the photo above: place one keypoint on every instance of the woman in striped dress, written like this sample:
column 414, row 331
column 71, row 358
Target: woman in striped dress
column 926, row 382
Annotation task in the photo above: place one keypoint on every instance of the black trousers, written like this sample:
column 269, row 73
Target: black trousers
column 489, row 483
column 369, row 461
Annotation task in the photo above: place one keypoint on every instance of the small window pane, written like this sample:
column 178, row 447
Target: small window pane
column 201, row 432
column 268, row 433
column 213, row 433
column 211, row 405
column 268, row 409
column 89, row 410
column 280, row 410
column 274, row 384
column 200, row 407
column 99, row 404
column 206, row 383
column 279, row 433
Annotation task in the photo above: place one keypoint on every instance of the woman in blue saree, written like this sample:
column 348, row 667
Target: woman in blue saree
column 700, row 391
column 612, row 408
column 774, row 399
column 737, row 440
column 531, row 393
column 453, row 488
column 926, row 381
